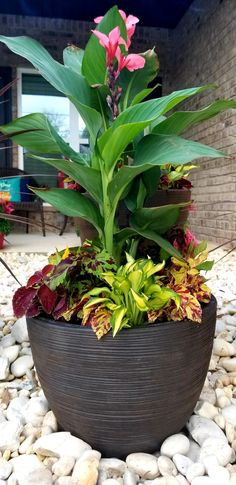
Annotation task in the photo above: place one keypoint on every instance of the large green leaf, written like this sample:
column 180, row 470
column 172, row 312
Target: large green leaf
column 73, row 57
column 155, row 150
column 72, row 84
column 94, row 61
column 72, row 204
column 134, row 119
column 133, row 83
column 162, row 149
column 162, row 242
column 159, row 219
column 43, row 138
column 177, row 123
column 87, row 177
column 119, row 183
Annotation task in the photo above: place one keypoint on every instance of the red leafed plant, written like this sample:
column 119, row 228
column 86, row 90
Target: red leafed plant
column 58, row 288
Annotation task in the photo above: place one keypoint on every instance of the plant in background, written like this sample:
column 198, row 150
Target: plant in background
column 175, row 177
column 5, row 225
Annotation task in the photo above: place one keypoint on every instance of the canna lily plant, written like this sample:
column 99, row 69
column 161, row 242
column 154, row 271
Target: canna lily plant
column 135, row 143
column 130, row 138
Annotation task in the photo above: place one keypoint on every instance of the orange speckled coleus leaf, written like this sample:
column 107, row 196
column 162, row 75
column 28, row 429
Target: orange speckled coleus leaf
column 98, row 317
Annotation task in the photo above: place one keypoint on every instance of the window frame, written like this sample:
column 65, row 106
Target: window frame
column 74, row 138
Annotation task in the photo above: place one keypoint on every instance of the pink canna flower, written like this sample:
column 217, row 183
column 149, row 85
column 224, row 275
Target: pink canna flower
column 130, row 23
column 131, row 62
column 110, row 42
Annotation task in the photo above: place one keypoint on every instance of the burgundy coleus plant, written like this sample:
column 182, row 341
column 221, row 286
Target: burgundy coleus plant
column 58, row 288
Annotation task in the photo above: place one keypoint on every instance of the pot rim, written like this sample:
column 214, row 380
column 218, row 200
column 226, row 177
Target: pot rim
column 61, row 324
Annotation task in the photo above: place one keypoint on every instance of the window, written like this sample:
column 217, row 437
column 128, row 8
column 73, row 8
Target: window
column 36, row 95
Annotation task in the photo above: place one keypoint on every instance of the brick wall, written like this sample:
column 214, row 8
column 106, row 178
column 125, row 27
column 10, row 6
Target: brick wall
column 201, row 49
column 204, row 51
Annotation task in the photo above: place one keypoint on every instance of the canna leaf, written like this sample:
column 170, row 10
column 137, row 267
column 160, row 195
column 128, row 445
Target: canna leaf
column 61, row 77
column 73, row 58
column 87, row 177
column 179, row 122
column 72, row 204
column 134, row 119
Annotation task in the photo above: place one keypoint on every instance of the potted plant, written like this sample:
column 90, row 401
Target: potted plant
column 5, row 225
column 118, row 393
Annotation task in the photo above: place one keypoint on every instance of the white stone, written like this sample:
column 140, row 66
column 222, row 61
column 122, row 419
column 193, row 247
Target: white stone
column 219, row 473
column 182, row 480
column 203, row 481
column 182, row 463
column 29, row 470
column 223, row 348
column 208, row 394
column 11, row 352
column 143, row 464
column 60, row 444
column 232, row 479
column 229, row 414
column 172, row 481
column 4, row 368
column 50, row 420
column 110, row 481
column 35, row 410
column 19, row 330
column 206, row 410
column 5, row 469
column 203, row 428
column 16, row 409
column 166, row 466
column 91, row 455
column 177, row 443
column 86, row 472
column 9, row 435
column 229, row 364
column 21, row 365
column 63, row 466
column 7, row 341
column 217, row 447
column 194, row 451
column 64, row 481
column 195, row 470
column 156, row 481
column 129, row 478
column 113, row 467
column 230, row 432
column 26, row 444
column 12, row 480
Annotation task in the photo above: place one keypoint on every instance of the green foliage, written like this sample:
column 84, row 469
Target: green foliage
column 133, row 291
column 128, row 145
column 5, row 226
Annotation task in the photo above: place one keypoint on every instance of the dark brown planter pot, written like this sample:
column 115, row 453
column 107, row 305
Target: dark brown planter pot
column 160, row 198
column 128, row 393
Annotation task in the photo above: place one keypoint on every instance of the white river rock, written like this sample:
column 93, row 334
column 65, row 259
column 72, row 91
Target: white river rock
column 60, row 444
column 21, row 365
column 143, row 464
column 177, row 443
column 202, row 428
column 19, row 330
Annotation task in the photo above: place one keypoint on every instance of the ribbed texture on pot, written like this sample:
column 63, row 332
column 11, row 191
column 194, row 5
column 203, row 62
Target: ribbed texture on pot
column 125, row 394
